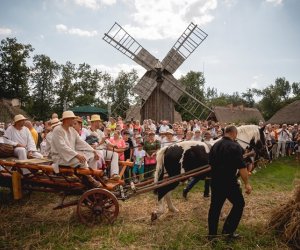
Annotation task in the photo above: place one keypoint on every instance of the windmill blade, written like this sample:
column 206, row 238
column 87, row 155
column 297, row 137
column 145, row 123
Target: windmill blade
column 146, row 85
column 191, row 38
column 122, row 41
column 175, row 90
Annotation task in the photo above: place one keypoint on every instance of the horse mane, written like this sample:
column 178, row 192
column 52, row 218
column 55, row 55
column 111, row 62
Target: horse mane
column 247, row 133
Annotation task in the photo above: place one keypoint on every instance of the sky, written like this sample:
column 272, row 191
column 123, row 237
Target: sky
column 250, row 43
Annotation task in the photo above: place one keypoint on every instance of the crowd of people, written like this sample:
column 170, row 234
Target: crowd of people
column 118, row 140
column 89, row 142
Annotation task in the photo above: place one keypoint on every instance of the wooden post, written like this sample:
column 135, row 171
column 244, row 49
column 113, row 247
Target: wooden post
column 16, row 185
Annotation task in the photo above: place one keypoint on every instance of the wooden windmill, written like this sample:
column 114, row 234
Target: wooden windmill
column 158, row 89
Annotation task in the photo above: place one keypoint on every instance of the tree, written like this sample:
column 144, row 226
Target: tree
column 296, row 89
column 119, row 91
column 14, row 73
column 274, row 97
column 43, row 77
column 194, row 84
column 86, row 85
column 249, row 98
column 64, row 88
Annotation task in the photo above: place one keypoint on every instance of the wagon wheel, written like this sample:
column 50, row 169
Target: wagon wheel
column 97, row 205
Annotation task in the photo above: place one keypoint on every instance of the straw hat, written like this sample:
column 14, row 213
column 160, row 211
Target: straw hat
column 95, row 118
column 170, row 131
column 18, row 118
column 78, row 119
column 68, row 114
column 54, row 122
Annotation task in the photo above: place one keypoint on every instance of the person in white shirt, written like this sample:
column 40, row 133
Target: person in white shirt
column 197, row 135
column 283, row 137
column 207, row 139
column 164, row 127
column 46, row 143
column 77, row 125
column 170, row 139
column 105, row 148
column 67, row 148
column 151, row 125
column 20, row 137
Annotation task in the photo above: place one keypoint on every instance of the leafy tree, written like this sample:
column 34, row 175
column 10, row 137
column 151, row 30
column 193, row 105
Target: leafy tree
column 248, row 98
column 296, row 89
column 194, row 84
column 64, row 87
column 86, row 85
column 14, row 73
column 120, row 92
column 274, row 97
column 43, row 77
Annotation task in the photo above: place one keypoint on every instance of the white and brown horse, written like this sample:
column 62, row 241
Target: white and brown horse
column 188, row 155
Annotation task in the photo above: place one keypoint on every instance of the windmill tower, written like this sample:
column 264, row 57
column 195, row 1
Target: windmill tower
column 158, row 89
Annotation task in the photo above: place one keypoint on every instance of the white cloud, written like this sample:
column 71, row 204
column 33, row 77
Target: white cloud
column 275, row 2
column 75, row 31
column 156, row 19
column 255, row 80
column 5, row 31
column 115, row 70
column 94, row 4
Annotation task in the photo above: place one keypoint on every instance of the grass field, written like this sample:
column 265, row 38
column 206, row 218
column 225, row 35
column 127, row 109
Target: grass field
column 32, row 224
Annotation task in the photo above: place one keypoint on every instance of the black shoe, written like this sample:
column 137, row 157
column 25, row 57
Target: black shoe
column 206, row 195
column 212, row 237
column 184, row 193
column 232, row 236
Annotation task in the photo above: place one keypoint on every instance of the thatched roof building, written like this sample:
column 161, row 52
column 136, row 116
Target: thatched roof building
column 289, row 114
column 237, row 115
column 10, row 108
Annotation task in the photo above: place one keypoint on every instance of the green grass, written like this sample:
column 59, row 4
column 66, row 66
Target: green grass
column 32, row 224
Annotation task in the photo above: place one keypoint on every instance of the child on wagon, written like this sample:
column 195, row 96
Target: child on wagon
column 138, row 157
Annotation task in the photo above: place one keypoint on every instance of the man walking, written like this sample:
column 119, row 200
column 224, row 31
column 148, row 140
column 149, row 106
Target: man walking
column 226, row 158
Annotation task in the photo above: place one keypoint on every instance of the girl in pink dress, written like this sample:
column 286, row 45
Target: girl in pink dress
column 119, row 143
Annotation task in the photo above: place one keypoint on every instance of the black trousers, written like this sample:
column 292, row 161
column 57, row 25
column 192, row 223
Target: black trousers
column 219, row 193
column 194, row 181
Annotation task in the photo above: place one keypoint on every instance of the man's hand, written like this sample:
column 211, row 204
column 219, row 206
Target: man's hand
column 29, row 155
column 81, row 158
column 248, row 188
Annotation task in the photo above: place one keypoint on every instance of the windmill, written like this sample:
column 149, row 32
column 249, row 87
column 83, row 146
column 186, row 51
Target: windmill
column 158, row 89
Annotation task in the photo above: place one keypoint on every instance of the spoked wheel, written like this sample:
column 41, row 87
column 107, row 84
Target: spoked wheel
column 96, row 206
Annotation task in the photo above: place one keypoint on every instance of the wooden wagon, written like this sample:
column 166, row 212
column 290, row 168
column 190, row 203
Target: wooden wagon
column 93, row 205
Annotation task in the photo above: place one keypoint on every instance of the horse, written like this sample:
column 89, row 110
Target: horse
column 188, row 155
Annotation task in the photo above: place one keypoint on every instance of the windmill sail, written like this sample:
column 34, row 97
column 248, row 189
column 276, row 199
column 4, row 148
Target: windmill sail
column 191, row 38
column 122, row 41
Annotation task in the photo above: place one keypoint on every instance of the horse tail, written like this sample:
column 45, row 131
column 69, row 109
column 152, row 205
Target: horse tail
column 159, row 172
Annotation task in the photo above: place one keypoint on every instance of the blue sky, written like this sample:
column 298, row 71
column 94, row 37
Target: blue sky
column 250, row 42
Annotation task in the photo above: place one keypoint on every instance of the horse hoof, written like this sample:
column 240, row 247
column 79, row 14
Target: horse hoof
column 154, row 216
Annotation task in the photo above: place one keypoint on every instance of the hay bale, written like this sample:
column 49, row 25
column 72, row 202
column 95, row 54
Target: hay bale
column 286, row 220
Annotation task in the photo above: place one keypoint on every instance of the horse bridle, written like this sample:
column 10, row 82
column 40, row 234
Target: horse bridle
column 255, row 148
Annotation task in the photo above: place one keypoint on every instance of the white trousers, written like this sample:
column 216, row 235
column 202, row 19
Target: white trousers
column 21, row 154
column 281, row 146
column 113, row 157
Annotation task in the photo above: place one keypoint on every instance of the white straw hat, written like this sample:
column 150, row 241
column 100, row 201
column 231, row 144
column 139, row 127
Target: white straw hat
column 54, row 122
column 95, row 118
column 19, row 117
column 68, row 114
